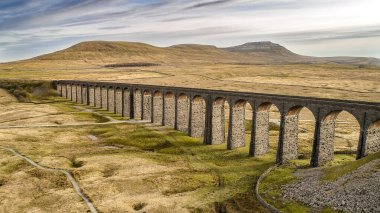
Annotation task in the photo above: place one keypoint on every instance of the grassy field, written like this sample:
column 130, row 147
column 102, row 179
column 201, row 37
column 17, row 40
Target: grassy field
column 202, row 66
column 127, row 168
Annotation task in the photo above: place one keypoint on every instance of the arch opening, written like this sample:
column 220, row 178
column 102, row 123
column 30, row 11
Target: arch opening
column 339, row 137
column 267, row 128
column 298, row 134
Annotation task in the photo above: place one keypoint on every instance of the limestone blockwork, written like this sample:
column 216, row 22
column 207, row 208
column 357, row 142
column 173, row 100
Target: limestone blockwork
column 290, row 142
column 104, row 98
column 169, row 110
column 326, row 140
column 91, row 94
column 119, row 101
column 69, row 93
column 147, row 107
column 98, row 97
column 261, row 140
column 157, row 107
column 237, row 126
column 197, row 117
column 111, row 100
column 64, row 91
column 218, row 122
column 373, row 139
column 74, row 93
column 204, row 115
column 84, row 95
column 59, row 89
column 127, row 103
column 137, row 104
column 183, row 106
column 79, row 94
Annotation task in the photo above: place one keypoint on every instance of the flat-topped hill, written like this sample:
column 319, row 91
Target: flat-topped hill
column 109, row 52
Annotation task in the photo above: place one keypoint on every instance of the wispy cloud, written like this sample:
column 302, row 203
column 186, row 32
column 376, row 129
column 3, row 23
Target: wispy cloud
column 32, row 27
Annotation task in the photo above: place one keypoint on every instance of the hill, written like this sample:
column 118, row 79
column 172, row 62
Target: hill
column 105, row 52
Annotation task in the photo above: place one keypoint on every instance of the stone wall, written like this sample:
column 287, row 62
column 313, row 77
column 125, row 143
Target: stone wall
column 111, row 100
column 290, row 141
column 69, row 93
column 218, row 122
column 64, row 91
column 98, row 97
column 104, row 98
column 74, row 93
column 373, row 140
column 79, row 94
column 197, row 117
column 326, row 142
column 119, row 101
column 261, row 143
column 169, row 110
column 137, row 105
column 183, row 106
column 127, row 105
column 147, row 114
column 157, row 108
column 91, row 93
column 237, row 138
column 59, row 89
column 84, row 95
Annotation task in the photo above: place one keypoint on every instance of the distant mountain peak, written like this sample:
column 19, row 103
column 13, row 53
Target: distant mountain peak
column 261, row 47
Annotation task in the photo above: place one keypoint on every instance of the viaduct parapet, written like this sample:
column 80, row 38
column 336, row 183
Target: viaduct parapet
column 201, row 113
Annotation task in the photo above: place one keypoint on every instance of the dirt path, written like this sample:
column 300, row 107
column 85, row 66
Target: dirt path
column 68, row 175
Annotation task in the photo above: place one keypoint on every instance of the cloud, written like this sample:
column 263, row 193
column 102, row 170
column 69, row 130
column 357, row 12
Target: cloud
column 37, row 26
column 209, row 3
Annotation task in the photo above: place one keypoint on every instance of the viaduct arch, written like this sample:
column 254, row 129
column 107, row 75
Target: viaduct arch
column 201, row 113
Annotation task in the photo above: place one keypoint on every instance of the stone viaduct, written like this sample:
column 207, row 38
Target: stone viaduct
column 201, row 113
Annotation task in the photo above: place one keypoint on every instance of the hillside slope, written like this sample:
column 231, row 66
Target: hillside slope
column 101, row 53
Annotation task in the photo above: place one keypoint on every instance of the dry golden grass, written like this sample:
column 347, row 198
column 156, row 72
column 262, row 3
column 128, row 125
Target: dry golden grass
column 202, row 66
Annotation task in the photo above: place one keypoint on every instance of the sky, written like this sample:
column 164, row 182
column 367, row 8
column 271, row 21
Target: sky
column 29, row 28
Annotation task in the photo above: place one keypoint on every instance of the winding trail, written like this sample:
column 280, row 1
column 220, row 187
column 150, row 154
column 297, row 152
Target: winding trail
column 68, row 175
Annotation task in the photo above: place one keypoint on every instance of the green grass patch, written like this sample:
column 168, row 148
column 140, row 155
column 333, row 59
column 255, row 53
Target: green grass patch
column 270, row 188
column 28, row 90
column 332, row 173
column 224, row 178
column 99, row 118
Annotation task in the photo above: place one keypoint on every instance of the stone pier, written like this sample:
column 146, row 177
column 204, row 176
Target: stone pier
column 147, row 107
column 218, row 121
column 119, row 101
column 236, row 136
column 157, row 107
column 137, row 103
column 169, row 110
column 183, row 106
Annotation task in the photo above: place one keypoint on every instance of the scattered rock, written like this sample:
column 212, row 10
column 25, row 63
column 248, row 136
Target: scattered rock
column 357, row 191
